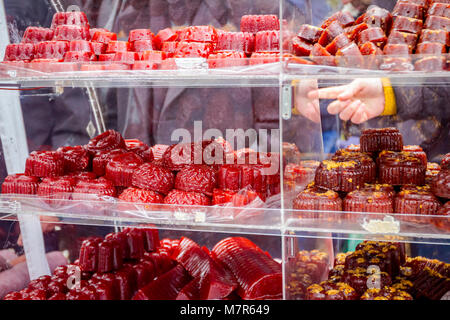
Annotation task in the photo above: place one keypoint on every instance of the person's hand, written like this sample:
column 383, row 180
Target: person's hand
column 359, row 101
column 306, row 106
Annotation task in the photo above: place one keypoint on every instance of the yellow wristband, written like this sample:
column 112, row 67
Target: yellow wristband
column 390, row 105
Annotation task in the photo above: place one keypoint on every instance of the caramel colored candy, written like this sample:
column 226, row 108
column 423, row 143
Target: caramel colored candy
column 435, row 48
column 397, row 50
column 440, row 36
column 331, row 32
column 345, row 19
column 321, row 56
column 406, row 24
column 407, row 9
column 378, row 17
column 354, row 31
column 310, row 33
column 430, row 64
column 375, row 35
column 439, row 9
column 398, row 37
column 301, row 48
column 350, row 56
column 338, row 43
column 372, row 53
column 437, row 23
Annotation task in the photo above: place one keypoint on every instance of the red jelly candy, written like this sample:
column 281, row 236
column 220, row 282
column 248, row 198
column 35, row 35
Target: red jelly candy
column 75, row 18
column 164, row 35
column 144, row 65
column 120, row 169
column 345, row 19
column 154, row 178
column 88, row 260
column 440, row 36
column 407, row 9
column 310, row 33
column 125, row 283
column 142, row 45
column 92, row 31
column 45, row 164
column 397, row 37
column 301, row 48
column 256, row 23
column 151, row 239
column 321, row 56
column 375, row 35
column 109, row 140
column 431, row 48
column 197, row 178
column 144, row 273
column 94, row 187
column 236, row 41
column 100, row 161
column 338, row 43
column 126, row 56
column 372, row 53
column 80, row 46
column 430, row 64
column 98, row 48
column 401, row 50
column 439, row 9
column 198, row 34
column 118, row 46
column 75, row 158
column 226, row 59
column 69, row 33
column 19, row 51
column 350, row 56
column 106, row 57
column 177, row 197
column 169, row 48
column 37, row 34
column 153, row 55
column 331, row 32
column 378, row 17
column 267, row 41
column 437, row 23
column 140, row 196
column 104, row 37
column 354, row 31
column 20, row 184
column 51, row 49
column 74, row 56
column 406, row 24
column 140, row 35
column 135, row 238
column 193, row 50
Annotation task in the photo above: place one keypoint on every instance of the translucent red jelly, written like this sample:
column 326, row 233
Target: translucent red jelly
column 437, row 23
column 439, row 9
column 69, row 33
column 309, row 33
column 20, row 51
column 406, row 24
column 20, row 184
column 51, row 49
column 321, row 56
column 120, row 168
column 45, row 164
column 154, row 178
column 164, row 35
column 75, row 56
column 353, row 32
column 338, row 43
column 140, row 35
column 70, row 18
column 142, row 45
column 434, row 48
column 266, row 41
column 226, row 59
column 126, row 57
column 331, row 32
column 350, row 56
column 441, row 184
column 177, row 197
column 198, row 34
column 378, row 17
column 237, row 41
column 440, row 36
column 410, row 10
column 345, row 19
column 37, row 34
column 398, row 37
column 300, row 47
column 375, row 35
column 192, row 50
column 104, row 37
column 256, row 23
column 118, row 46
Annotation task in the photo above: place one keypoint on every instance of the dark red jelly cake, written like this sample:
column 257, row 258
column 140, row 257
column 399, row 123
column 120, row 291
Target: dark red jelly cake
column 45, row 164
column 58, row 185
column 386, row 188
column 75, row 158
column 445, row 163
column 197, row 178
column 120, row 169
column 328, row 290
column 400, row 168
column 386, row 293
column 343, row 176
column 376, row 140
column 317, row 199
column 441, row 184
column 367, row 164
column 106, row 141
column 178, row 197
column 99, row 187
column 20, row 184
column 102, row 158
column 418, row 152
column 367, row 201
column 153, row 177
column 416, row 201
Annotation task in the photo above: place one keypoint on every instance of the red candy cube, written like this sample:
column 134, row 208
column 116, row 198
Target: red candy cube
column 437, row 23
column 345, row 19
column 401, row 50
column 193, row 50
column 20, row 184
column 153, row 55
column 407, row 9
column 236, row 41
column 104, row 37
column 199, row 34
column 225, row 59
column 321, row 56
column 165, row 35
column 431, row 64
column 440, row 36
column 256, row 23
column 440, row 9
column 267, row 41
column 338, row 43
column 128, row 57
column 70, row 18
column 98, row 48
column 264, row 57
column 69, row 33
column 77, row 56
column 20, row 51
column 350, row 56
column 92, row 31
column 169, row 48
column 353, row 32
column 106, row 57
column 80, row 46
column 142, row 45
column 434, row 48
column 331, row 32
column 118, row 46
column 310, row 33
column 406, row 24
column 397, row 37
column 375, row 35
column 51, row 49
column 140, row 35
column 378, row 17
column 37, row 34
column 45, row 164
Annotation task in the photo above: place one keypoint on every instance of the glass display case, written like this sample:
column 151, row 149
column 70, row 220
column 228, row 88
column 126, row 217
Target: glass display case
column 128, row 153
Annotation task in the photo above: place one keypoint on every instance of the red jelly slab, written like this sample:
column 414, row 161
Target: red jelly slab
column 118, row 46
column 440, row 36
column 256, row 23
column 153, row 56
column 439, row 9
column 20, row 184
column 196, row 178
column 98, row 48
column 127, row 57
column 407, row 9
column 165, row 287
column 260, row 279
column 437, row 23
column 120, row 169
column 169, row 48
column 144, row 65
column 100, row 161
column 430, row 64
column 406, row 24
column 398, row 37
column 191, row 291
column 331, row 32
column 80, row 46
column 237, row 41
column 164, row 35
column 354, row 31
column 104, row 37
column 75, row 18
column 375, row 35
column 107, row 141
column 75, row 158
column 106, row 57
column 345, row 19
column 76, row 56
column 301, row 48
column 369, row 48
column 431, row 48
column 51, row 49
column 309, row 33
column 154, row 178
column 135, row 239
column 226, row 59
column 220, row 282
column 378, row 17
column 88, row 260
column 400, row 50
column 321, row 56
column 140, row 35
column 142, row 45
column 94, row 187
column 37, row 34
column 350, row 56
column 19, row 51
column 178, row 197
column 92, row 31
column 267, row 41
column 193, row 50
column 69, row 33
column 45, row 164
column 338, row 43
column 198, row 34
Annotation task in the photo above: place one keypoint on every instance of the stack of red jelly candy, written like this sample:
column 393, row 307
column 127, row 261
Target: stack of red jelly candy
column 380, row 39
column 202, row 173
column 135, row 264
